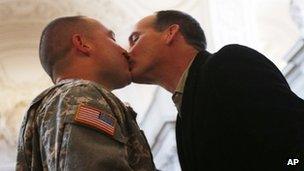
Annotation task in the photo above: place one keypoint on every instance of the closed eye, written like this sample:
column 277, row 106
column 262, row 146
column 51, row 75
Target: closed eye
column 112, row 35
column 133, row 38
column 113, row 38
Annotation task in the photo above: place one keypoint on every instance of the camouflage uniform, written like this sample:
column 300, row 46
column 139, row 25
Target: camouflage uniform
column 51, row 137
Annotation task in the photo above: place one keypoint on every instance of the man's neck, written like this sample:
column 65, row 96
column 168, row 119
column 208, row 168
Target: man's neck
column 173, row 73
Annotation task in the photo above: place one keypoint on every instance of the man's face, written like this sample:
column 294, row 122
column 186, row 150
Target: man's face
column 111, row 58
column 145, row 50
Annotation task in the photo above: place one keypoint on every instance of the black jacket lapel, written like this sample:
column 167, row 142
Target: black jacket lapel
column 183, row 123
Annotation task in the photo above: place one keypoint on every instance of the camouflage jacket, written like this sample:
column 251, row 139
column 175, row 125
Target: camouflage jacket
column 78, row 125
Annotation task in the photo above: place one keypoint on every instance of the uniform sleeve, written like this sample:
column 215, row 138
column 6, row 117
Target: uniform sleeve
column 80, row 132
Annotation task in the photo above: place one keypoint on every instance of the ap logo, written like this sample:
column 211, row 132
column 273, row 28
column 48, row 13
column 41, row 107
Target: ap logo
column 292, row 162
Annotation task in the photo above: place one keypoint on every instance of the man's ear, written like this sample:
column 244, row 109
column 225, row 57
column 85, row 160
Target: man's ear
column 171, row 33
column 81, row 44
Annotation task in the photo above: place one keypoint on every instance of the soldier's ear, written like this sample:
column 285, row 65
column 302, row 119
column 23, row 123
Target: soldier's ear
column 81, row 44
column 171, row 33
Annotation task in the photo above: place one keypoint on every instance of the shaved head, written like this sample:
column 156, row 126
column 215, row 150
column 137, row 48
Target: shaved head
column 56, row 41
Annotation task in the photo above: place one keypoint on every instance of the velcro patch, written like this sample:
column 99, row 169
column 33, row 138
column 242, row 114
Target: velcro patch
column 96, row 118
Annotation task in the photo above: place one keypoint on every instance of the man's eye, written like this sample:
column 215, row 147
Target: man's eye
column 135, row 38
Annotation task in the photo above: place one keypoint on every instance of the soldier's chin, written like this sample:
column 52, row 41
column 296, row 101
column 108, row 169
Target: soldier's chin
column 123, row 82
column 134, row 77
column 140, row 78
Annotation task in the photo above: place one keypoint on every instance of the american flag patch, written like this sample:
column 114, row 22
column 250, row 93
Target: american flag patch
column 96, row 118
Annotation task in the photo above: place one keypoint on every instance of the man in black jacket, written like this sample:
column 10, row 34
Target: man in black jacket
column 235, row 109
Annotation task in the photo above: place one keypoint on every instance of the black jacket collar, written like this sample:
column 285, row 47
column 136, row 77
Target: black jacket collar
column 200, row 59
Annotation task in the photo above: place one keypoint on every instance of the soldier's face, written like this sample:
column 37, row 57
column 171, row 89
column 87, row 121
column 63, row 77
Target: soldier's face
column 146, row 45
column 111, row 58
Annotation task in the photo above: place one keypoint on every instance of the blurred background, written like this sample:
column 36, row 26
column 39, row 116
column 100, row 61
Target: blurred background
column 273, row 27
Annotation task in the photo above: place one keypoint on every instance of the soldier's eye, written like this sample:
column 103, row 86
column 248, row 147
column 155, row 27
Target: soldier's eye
column 112, row 35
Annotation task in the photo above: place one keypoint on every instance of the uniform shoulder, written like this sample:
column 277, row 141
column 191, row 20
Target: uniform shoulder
column 83, row 92
column 71, row 93
column 65, row 87
column 94, row 107
column 79, row 102
column 42, row 95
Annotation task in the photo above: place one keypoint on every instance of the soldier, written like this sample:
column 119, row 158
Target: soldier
column 78, row 124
